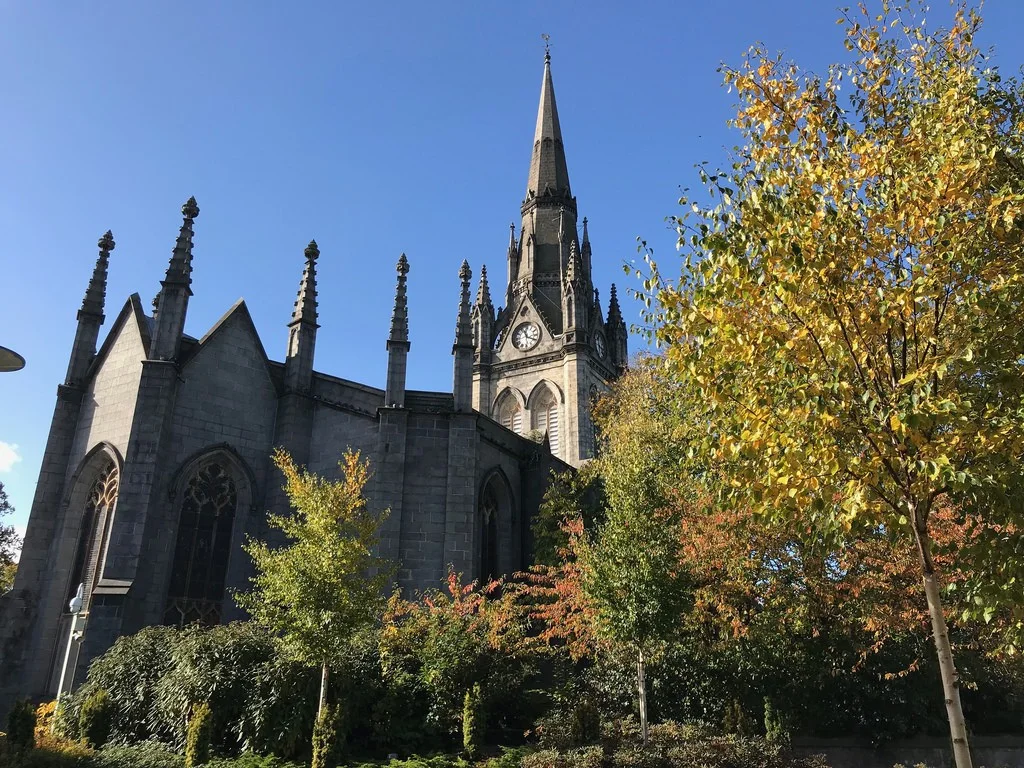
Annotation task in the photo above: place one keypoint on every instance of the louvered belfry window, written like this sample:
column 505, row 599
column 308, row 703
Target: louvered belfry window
column 196, row 591
column 545, row 416
column 511, row 415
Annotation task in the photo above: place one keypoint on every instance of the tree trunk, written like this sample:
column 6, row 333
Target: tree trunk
column 323, row 690
column 641, row 686
column 947, row 669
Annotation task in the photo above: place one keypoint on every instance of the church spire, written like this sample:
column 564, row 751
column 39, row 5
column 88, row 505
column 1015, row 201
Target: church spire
column 398, row 340
column 298, row 362
column 617, row 334
column 549, row 175
column 175, row 290
column 463, row 347
column 90, row 316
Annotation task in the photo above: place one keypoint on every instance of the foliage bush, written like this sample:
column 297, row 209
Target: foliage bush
column 145, row 754
column 197, row 737
column 96, row 718
column 21, row 726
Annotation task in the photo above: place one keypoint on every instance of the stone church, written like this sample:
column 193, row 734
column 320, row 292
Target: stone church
column 157, row 462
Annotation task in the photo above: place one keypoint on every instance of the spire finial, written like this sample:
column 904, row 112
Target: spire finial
column 106, row 242
column 403, row 265
column 547, row 47
column 586, row 234
column 465, row 273
column 190, row 210
column 312, row 251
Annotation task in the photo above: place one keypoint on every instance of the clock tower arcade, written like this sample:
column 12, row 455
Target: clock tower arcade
column 541, row 359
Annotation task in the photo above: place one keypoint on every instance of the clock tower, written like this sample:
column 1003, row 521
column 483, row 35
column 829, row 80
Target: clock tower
column 542, row 358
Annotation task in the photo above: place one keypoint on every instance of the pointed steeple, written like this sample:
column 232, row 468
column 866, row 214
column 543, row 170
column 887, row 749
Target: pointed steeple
column 398, row 340
column 305, row 307
column 298, row 361
column 175, row 290
column 617, row 334
column 90, row 316
column 96, row 293
column 573, row 270
column 597, row 314
column 483, row 294
column 463, row 347
column 400, row 313
column 614, row 313
column 549, row 175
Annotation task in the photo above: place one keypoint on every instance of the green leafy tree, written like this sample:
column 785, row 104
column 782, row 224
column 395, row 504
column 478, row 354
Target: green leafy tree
column 96, row 719
column 10, row 543
column 851, row 299
column 631, row 573
column 326, row 583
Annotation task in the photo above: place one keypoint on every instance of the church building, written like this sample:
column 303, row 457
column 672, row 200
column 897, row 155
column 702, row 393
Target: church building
column 157, row 465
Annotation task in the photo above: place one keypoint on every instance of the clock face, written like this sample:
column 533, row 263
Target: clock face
column 526, row 336
column 599, row 344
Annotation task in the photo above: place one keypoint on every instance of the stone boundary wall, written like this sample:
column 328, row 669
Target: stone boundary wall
column 988, row 752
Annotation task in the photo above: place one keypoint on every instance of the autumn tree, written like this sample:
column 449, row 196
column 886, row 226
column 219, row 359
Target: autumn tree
column 325, row 583
column 850, row 302
column 9, row 544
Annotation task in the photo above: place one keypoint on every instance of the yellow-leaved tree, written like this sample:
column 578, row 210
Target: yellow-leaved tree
column 852, row 301
column 325, row 582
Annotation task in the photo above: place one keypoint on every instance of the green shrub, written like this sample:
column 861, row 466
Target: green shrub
column 251, row 760
column 21, row 726
column 325, row 733
column 585, row 725
column 585, row 757
column 145, row 754
column 197, row 737
column 96, row 718
column 510, row 757
column 473, row 723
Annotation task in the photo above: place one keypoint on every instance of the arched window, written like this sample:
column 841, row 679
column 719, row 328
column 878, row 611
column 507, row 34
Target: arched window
column 95, row 533
column 510, row 413
column 489, row 526
column 196, row 590
column 545, row 418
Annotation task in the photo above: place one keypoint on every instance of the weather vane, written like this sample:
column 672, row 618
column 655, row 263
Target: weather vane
column 547, row 44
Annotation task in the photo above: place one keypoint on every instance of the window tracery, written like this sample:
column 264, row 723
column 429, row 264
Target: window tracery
column 95, row 533
column 196, row 590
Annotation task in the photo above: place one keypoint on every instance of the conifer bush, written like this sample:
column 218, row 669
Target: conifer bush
column 21, row 725
column 473, row 723
column 96, row 718
column 197, row 736
column 324, row 736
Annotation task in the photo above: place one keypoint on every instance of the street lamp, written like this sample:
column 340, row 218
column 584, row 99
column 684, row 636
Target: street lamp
column 10, row 360
column 67, row 673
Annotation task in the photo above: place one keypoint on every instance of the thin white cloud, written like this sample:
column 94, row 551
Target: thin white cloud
column 9, row 456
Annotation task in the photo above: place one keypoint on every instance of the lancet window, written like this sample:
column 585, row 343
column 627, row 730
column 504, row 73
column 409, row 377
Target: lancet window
column 95, row 534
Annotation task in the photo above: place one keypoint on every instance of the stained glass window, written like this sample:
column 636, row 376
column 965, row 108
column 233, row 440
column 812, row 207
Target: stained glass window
column 196, row 591
column 95, row 533
column 489, row 544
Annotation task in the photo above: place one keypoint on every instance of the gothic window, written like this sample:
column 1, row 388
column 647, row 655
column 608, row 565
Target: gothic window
column 545, row 418
column 95, row 534
column 489, row 545
column 510, row 414
column 200, row 563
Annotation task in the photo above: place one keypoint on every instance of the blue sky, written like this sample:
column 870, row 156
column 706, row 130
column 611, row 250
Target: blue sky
column 376, row 128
